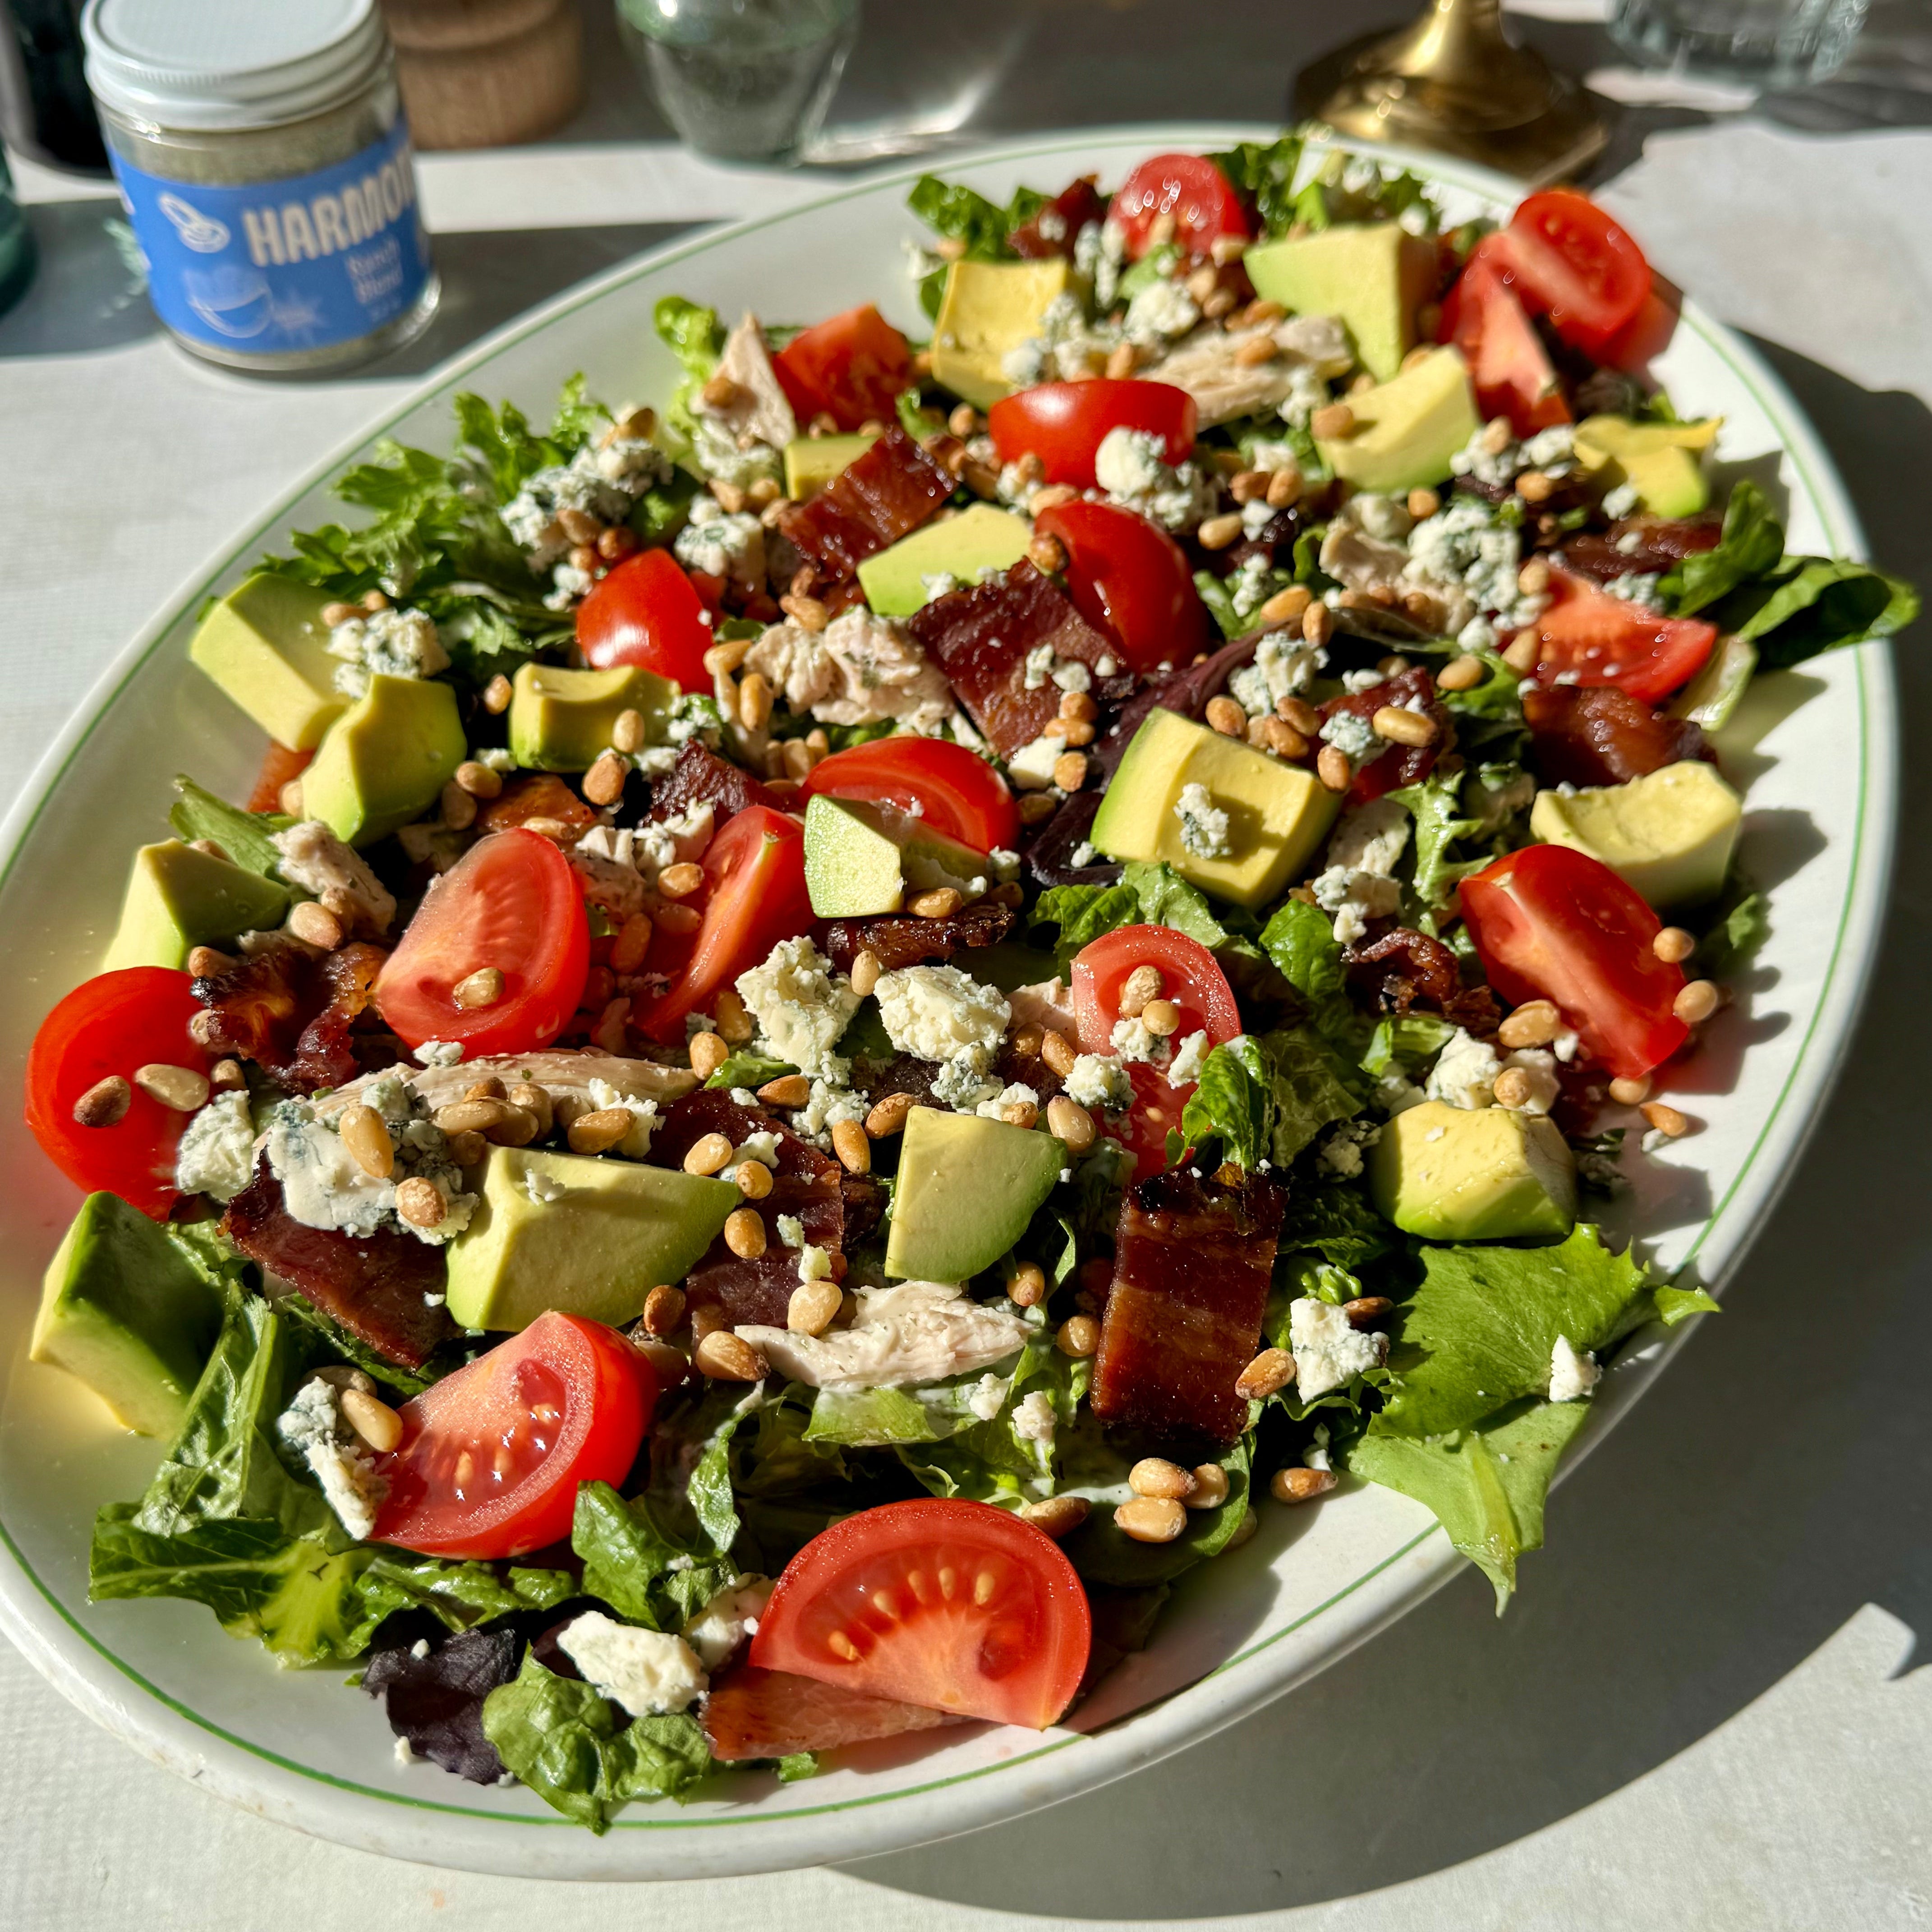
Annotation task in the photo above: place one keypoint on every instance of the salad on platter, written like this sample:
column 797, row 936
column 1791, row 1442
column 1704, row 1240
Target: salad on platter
column 862, row 1009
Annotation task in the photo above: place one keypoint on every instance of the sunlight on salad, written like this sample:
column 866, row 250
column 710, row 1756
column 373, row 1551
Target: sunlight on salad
column 870, row 1005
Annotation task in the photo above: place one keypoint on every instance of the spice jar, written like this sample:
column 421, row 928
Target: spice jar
column 265, row 160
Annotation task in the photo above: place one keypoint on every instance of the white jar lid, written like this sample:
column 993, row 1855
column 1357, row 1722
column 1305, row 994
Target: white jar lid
column 227, row 65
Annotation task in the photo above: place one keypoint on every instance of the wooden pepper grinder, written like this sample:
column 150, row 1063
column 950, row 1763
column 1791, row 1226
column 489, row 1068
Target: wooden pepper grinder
column 486, row 73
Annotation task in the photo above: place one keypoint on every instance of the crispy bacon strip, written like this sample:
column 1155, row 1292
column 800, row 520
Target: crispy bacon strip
column 874, row 501
column 1657, row 544
column 1192, row 1261
column 700, row 776
column 290, row 1010
column 540, row 795
column 896, row 940
column 1399, row 969
column 805, row 1182
column 1598, row 735
column 753, row 1713
column 374, row 1287
column 980, row 637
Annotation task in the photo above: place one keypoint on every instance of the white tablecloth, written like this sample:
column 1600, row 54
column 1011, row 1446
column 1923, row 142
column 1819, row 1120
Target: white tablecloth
column 1700, row 1710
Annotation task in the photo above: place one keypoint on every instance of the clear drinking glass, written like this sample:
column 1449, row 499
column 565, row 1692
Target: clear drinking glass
column 743, row 80
column 1764, row 44
column 16, row 243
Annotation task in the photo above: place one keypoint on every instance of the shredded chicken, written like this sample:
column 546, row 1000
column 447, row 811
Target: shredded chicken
column 1207, row 365
column 760, row 413
column 560, row 1074
column 860, row 669
column 914, row 1331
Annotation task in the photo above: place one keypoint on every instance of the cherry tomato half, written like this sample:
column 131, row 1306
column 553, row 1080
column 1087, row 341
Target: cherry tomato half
column 1511, row 374
column 1588, row 637
column 1189, row 188
column 1131, row 581
column 491, row 1456
column 866, row 1605
column 1064, row 424
column 647, row 612
column 1575, row 264
column 956, row 791
column 852, row 367
column 512, row 902
column 114, row 1024
column 755, row 896
column 1554, row 924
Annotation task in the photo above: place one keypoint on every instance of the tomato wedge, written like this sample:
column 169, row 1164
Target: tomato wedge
column 955, row 791
column 1586, row 636
column 755, row 882
column 512, row 902
column 851, row 368
column 279, row 765
column 1575, row 264
column 113, row 1025
column 1554, row 924
column 752, row 1713
column 955, row 1606
column 1191, row 189
column 1511, row 374
column 491, row 1456
column 1131, row 581
column 647, row 612
column 1064, row 424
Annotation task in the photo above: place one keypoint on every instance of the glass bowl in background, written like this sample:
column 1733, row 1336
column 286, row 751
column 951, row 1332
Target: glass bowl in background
column 1762, row 44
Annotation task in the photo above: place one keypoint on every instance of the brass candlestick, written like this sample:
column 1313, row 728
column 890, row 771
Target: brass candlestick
column 1455, row 82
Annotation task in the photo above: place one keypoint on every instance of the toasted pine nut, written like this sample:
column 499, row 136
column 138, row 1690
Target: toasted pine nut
column 1665, row 1119
column 1533, row 487
column 1285, row 487
column 668, row 1364
column 754, row 700
column 720, row 392
column 1036, row 806
column 788, row 1090
column 1051, row 498
column 888, row 1116
column 1150, row 1519
column 205, row 963
column 1630, row 1093
column 1402, row 727
column 1270, row 1373
column 105, row 1104
column 1534, row 1023
column 1699, row 1000
column 1244, row 1531
column 290, row 798
column 707, row 1320
column 226, row 1076
column 722, row 658
column 600, row 1129
column 204, row 1028
column 680, row 880
column 1218, row 305
column 850, row 1144
column 1300, row 713
column 1056, row 1516
column 1047, row 552
column 1332, row 768
column 675, row 918
column 1424, row 503
column 1143, row 984
column 366, row 1135
column 1365, row 1310
column 1026, row 1286
column 1155, row 1476
column 754, row 1179
column 1079, row 1335
column 812, row 1306
column 734, row 1024
column 374, row 1420
column 1673, row 945
column 496, row 695
column 1070, row 1123
column 1161, row 1017
column 604, row 783
column 1332, row 421
column 1226, row 717
column 1256, row 350
column 1077, row 708
column 708, row 1053
column 711, row 1154
column 1283, row 738
column 1286, row 607
column 940, row 903
column 1300, row 1486
column 479, row 780
column 488, row 1088
column 632, row 942
column 663, row 1309
column 864, row 972
column 1512, row 1087
column 807, row 613
column 482, row 988
column 315, row 925
column 627, row 731
column 420, row 1202
column 745, row 1233
column 1210, row 1487
column 724, row 1358
column 1318, row 622
column 458, row 807
column 1069, row 770
column 1522, row 651
column 182, row 1089
column 1120, row 361
column 467, row 1148
column 1218, row 533
column 1460, row 673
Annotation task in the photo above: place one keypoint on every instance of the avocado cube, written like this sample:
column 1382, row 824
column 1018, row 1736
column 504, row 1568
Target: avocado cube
column 861, row 859
column 122, row 1310
column 1373, row 276
column 1407, row 430
column 178, row 899
column 988, row 310
column 968, row 1186
column 587, row 1235
column 1278, row 814
column 560, row 720
column 977, row 538
column 811, row 462
column 265, row 644
column 386, row 759
column 1474, row 1174
column 1669, row 834
column 1662, row 462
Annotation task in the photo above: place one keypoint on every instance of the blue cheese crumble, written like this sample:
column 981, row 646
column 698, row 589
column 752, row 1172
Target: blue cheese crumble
column 1572, row 1375
column 385, row 643
column 1329, row 1351
column 312, row 1426
column 802, row 1006
column 1099, row 1080
column 650, row 1673
column 217, row 1156
column 1203, row 825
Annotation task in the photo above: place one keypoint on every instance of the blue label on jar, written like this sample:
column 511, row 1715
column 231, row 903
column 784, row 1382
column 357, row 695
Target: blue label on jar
column 303, row 262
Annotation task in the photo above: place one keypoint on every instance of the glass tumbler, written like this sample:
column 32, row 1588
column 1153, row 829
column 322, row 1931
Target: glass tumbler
column 1762, row 44
column 742, row 80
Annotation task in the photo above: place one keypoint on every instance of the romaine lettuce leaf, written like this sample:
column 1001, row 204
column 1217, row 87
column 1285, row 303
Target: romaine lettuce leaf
column 246, row 837
column 1147, row 895
column 461, row 1596
column 1752, row 544
column 1336, row 1222
column 1266, row 1098
column 646, row 1575
column 1265, row 171
column 1436, row 806
column 961, row 214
